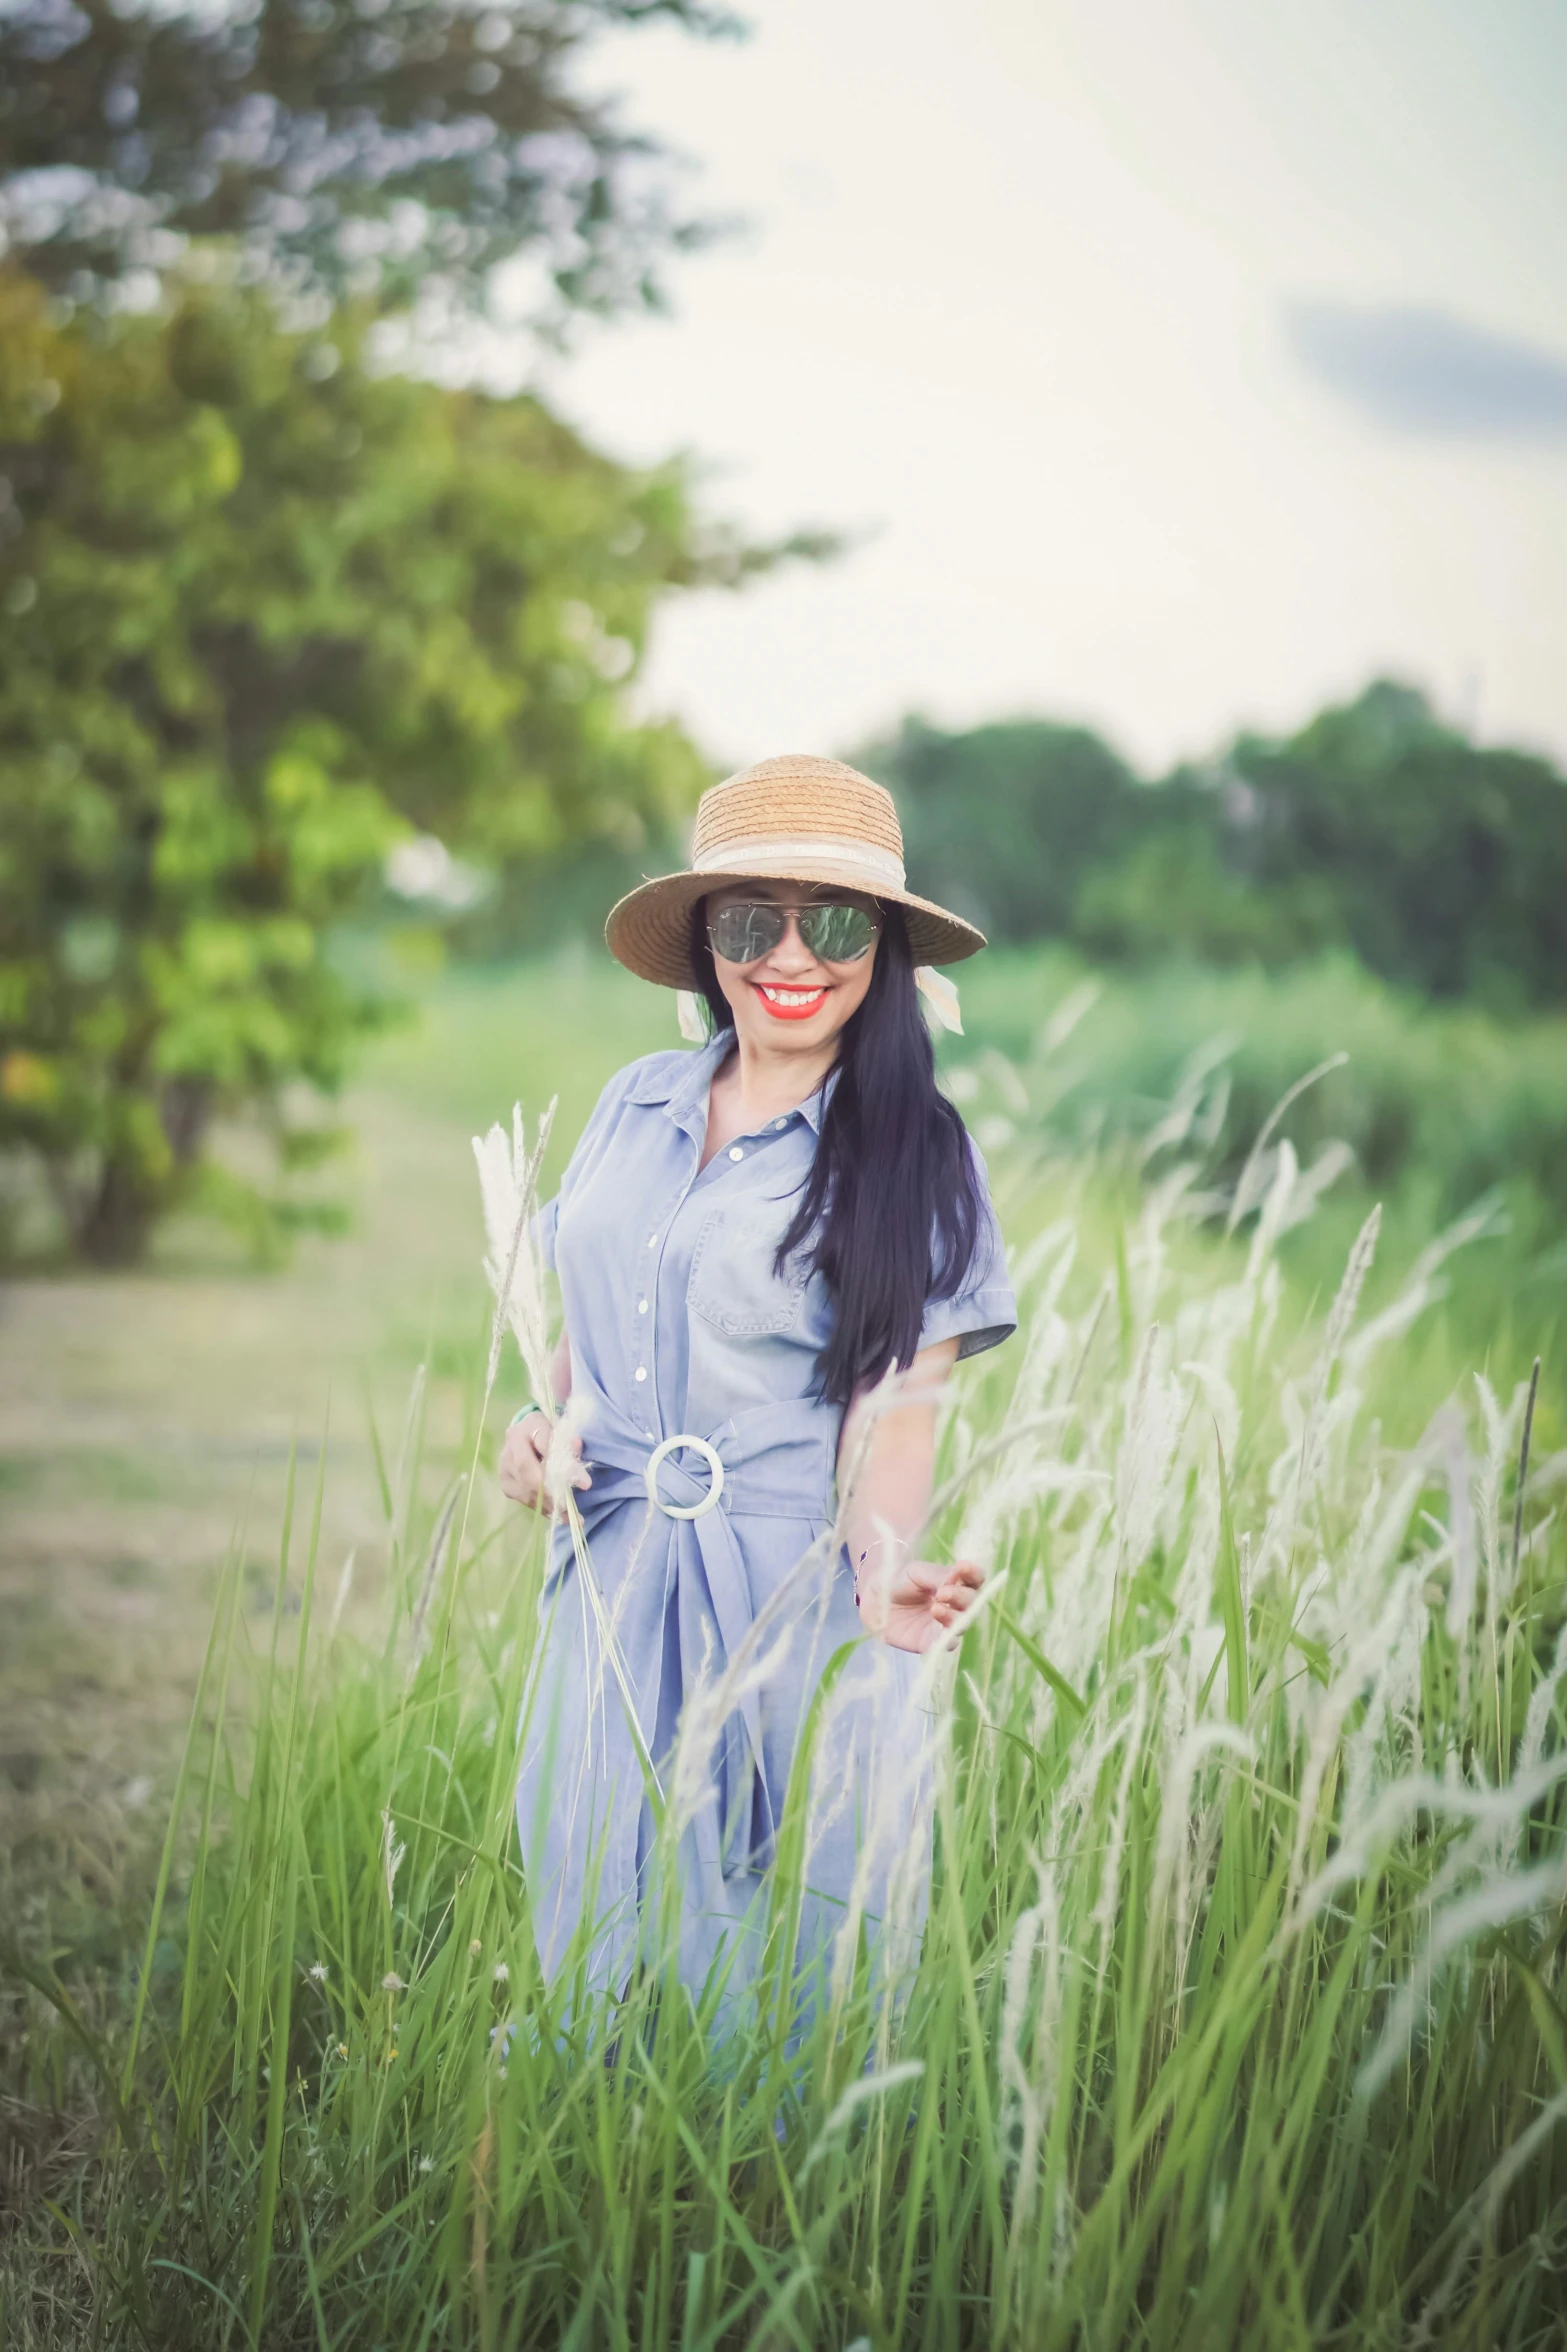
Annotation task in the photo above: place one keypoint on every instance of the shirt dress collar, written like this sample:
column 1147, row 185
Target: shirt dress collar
column 682, row 1085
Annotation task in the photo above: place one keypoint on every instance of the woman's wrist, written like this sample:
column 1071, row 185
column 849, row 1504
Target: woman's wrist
column 524, row 1411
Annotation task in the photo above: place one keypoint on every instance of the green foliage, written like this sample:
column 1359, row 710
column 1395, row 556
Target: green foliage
column 1172, row 895
column 267, row 608
column 1441, row 864
column 372, row 147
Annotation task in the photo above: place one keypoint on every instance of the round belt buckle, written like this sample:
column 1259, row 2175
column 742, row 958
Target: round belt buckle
column 698, row 1445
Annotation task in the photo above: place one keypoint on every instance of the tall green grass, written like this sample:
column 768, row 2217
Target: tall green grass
column 1241, row 2012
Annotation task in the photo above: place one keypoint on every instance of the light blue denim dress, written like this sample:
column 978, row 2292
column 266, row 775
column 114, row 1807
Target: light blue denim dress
column 734, row 1604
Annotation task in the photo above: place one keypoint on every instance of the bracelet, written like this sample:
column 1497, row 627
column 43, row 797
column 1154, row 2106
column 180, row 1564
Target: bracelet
column 523, row 1411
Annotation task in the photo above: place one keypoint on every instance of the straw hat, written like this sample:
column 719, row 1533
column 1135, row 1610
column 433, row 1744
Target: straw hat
column 793, row 819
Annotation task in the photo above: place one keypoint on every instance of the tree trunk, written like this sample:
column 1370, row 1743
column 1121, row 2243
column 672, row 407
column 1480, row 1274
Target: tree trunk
column 185, row 1109
column 114, row 1227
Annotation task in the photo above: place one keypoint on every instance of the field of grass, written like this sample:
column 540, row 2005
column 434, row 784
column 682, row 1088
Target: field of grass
column 1241, row 2014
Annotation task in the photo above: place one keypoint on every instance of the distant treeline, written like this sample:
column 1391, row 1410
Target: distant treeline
column 1440, row 863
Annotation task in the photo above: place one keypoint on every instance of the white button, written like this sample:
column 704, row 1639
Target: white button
column 647, row 1432
column 652, row 1241
column 779, row 1125
column 735, row 1153
column 642, row 1306
column 641, row 1372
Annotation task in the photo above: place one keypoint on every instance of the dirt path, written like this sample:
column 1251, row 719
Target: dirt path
column 146, row 1418
column 146, row 1424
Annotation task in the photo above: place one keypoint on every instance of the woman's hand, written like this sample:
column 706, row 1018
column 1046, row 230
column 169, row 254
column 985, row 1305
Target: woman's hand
column 523, row 1457
column 925, row 1601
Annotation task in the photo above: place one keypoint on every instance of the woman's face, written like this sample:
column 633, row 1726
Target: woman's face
column 787, row 1000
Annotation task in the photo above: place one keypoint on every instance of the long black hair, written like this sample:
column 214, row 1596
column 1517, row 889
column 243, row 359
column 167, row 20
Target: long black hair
column 892, row 1205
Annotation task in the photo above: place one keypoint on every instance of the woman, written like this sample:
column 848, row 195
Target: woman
column 749, row 1240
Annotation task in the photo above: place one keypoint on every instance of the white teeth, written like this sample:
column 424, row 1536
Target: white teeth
column 792, row 996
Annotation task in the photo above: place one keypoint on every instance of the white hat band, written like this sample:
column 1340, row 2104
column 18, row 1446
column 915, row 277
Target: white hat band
column 878, row 867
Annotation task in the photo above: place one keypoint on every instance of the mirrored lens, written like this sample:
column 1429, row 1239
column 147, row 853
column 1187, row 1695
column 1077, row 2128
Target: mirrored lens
column 743, row 934
column 837, row 934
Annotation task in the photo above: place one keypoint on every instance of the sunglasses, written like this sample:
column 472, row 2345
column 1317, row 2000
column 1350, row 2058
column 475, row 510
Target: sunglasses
column 833, row 934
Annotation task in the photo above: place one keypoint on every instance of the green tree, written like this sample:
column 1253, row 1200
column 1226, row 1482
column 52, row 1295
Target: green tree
column 1008, row 817
column 1446, row 859
column 360, row 146
column 1171, row 896
column 265, row 610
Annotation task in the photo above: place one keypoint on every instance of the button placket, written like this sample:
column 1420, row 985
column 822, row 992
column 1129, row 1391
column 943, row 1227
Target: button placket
column 644, row 1333
column 644, row 1340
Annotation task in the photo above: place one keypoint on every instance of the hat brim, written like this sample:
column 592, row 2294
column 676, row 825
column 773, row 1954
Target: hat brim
column 649, row 930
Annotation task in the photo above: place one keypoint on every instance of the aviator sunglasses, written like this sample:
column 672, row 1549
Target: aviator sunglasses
column 834, row 934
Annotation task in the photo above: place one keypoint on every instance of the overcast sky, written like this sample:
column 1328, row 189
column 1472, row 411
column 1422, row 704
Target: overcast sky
column 1183, row 362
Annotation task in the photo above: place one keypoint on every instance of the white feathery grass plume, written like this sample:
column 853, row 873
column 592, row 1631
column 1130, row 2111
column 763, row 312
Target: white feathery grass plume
column 1326, row 1716
column 1175, row 1806
column 1074, row 1007
column 1479, row 2215
column 1191, row 1092
column 1220, row 1402
column 1397, row 1805
column 435, row 1561
column 859, row 2094
column 1083, row 1599
column 610, row 1650
column 1007, row 1080
column 1500, row 1898
column 854, row 1754
column 1333, row 1160
column 508, row 1186
column 1424, row 1283
column 714, row 1694
column 392, row 1853
column 986, row 1450
column 1252, row 1180
column 1497, row 1460
column 908, row 1880
column 407, row 1455
column 1130, row 1729
column 1503, row 1426
column 1447, row 1440
column 1155, row 1411
column 1273, row 1217
column 1029, row 2042
column 1341, row 1316
column 345, row 1585
column 1391, row 1703
column 560, row 1457
column 1532, row 1746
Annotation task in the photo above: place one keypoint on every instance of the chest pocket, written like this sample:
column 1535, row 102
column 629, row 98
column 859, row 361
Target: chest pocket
column 732, row 1285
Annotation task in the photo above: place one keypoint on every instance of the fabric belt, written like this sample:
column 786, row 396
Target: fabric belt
column 774, row 1461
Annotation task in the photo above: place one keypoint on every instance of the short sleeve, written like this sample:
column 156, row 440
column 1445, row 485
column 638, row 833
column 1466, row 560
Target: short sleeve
column 983, row 1312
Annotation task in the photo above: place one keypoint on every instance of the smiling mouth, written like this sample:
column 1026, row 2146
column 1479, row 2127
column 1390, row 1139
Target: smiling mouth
column 791, row 1004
